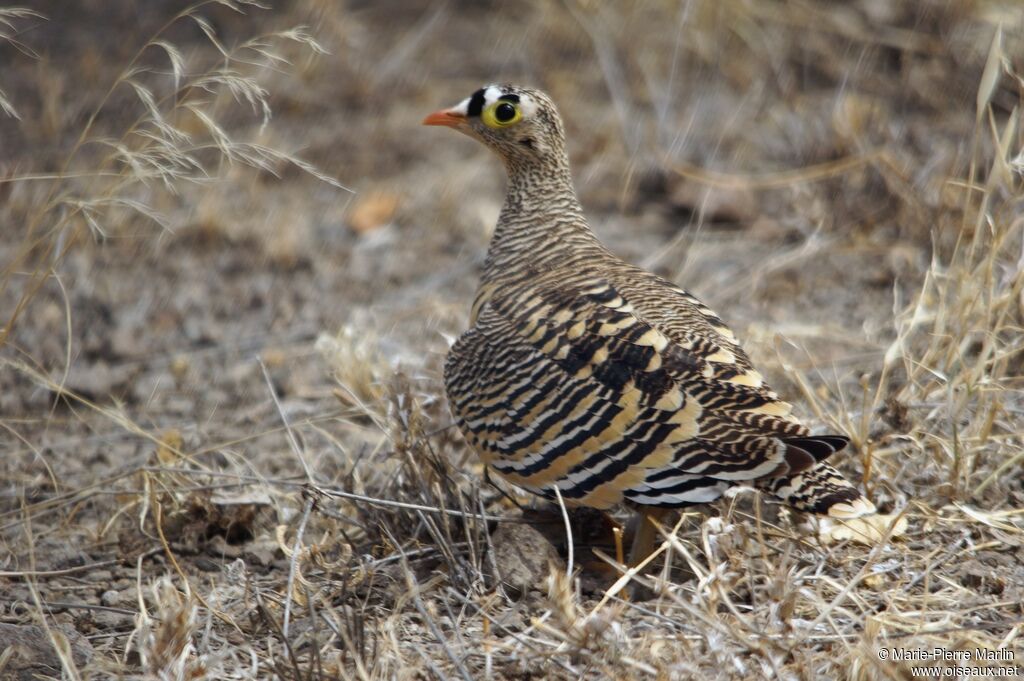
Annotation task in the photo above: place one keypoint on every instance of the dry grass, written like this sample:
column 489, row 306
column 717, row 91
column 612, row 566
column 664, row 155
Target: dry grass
column 204, row 478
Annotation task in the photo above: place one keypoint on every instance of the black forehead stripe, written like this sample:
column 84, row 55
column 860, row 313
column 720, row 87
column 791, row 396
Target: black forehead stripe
column 509, row 98
column 476, row 103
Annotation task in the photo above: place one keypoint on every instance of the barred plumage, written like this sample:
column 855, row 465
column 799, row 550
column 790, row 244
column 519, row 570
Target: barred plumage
column 584, row 372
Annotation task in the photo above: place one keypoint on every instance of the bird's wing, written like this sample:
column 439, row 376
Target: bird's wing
column 569, row 385
column 692, row 325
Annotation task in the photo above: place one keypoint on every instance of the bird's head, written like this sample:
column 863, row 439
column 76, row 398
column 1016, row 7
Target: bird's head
column 521, row 124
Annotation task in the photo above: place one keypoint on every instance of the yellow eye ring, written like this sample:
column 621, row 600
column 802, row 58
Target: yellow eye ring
column 501, row 114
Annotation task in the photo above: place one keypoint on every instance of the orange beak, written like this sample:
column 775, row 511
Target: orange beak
column 446, row 117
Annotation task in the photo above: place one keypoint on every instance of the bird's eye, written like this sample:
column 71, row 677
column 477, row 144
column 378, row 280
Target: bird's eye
column 504, row 112
column 501, row 115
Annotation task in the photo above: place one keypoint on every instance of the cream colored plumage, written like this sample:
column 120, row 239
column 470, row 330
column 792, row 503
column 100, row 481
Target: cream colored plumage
column 590, row 374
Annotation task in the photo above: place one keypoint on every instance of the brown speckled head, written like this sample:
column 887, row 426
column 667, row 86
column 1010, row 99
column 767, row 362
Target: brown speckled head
column 520, row 124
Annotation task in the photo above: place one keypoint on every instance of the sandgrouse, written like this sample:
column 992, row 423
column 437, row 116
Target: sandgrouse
column 583, row 372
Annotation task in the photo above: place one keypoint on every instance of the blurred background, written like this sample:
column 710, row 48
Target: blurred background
column 223, row 228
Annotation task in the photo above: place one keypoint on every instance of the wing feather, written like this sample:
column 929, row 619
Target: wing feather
column 575, row 386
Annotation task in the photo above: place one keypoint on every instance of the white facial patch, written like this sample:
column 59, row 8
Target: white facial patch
column 527, row 106
column 492, row 93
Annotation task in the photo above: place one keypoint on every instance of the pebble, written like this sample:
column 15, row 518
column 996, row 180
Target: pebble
column 524, row 557
column 31, row 651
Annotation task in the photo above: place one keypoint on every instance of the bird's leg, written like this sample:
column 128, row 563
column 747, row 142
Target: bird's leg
column 644, row 538
column 646, row 534
column 620, row 555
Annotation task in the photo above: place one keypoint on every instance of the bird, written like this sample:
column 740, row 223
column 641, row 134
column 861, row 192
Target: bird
column 594, row 382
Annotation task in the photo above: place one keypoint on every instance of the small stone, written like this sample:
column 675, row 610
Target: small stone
column 218, row 547
column 261, row 552
column 523, row 557
column 105, row 621
column 33, row 655
column 60, row 555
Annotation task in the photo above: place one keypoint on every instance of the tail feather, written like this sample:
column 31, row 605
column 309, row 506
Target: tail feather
column 820, row 489
column 819, row 446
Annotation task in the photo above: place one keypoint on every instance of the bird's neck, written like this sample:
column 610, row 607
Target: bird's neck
column 541, row 224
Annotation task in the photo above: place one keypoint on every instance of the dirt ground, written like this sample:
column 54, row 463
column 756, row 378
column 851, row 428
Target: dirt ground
column 233, row 260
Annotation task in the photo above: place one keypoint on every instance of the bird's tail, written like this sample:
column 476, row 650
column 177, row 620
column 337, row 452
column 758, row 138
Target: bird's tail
column 820, row 489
